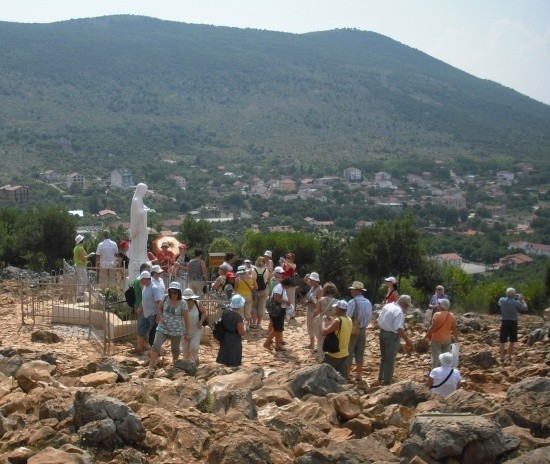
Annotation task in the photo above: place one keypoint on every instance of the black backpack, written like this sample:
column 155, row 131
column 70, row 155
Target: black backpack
column 260, row 280
column 130, row 295
column 218, row 330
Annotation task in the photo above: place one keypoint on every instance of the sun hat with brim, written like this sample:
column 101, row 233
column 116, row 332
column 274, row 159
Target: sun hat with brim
column 189, row 294
column 444, row 303
column 278, row 270
column 145, row 275
column 156, row 268
column 174, row 286
column 268, row 253
column 357, row 286
column 164, row 245
column 247, row 261
column 237, row 301
column 393, row 280
column 446, row 359
column 241, row 270
column 78, row 238
column 314, row 276
column 341, row 304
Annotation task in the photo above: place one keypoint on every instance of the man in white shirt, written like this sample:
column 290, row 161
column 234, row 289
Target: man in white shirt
column 444, row 380
column 391, row 321
column 359, row 308
column 106, row 259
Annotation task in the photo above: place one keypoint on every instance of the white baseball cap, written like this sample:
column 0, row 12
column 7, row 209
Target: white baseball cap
column 145, row 275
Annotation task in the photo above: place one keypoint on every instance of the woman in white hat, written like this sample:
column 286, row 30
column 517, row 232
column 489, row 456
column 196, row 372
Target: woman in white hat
column 391, row 293
column 313, row 295
column 231, row 347
column 196, row 314
column 172, row 318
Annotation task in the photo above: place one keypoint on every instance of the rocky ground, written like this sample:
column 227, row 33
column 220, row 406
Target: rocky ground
column 62, row 401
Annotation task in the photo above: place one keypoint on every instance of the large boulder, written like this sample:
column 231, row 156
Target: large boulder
column 318, row 380
column 355, row 451
column 31, row 373
column 483, row 359
column 128, row 428
column 10, row 365
column 406, row 393
column 469, row 439
column 528, row 403
column 67, row 454
column 240, row 380
column 538, row 456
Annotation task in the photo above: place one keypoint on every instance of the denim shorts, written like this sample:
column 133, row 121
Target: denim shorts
column 144, row 324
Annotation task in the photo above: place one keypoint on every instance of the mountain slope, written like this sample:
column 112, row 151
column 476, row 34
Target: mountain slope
column 138, row 87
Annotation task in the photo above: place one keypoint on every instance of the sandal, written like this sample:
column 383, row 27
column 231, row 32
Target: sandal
column 268, row 346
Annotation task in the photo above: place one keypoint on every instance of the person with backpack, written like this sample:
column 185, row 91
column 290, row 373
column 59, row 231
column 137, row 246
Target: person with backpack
column 230, row 352
column 341, row 326
column 260, row 274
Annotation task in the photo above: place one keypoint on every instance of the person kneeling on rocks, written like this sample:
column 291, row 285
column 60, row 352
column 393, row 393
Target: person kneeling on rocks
column 444, row 380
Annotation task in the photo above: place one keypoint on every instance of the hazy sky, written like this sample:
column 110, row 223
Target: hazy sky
column 507, row 41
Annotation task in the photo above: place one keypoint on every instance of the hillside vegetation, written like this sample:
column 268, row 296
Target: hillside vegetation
column 114, row 90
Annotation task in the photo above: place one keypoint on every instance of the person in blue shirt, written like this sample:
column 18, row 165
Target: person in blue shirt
column 509, row 307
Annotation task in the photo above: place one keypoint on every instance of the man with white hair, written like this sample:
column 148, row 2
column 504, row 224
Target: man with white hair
column 445, row 379
column 391, row 321
column 509, row 307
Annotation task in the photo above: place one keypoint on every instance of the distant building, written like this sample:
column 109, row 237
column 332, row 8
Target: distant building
column 51, row 176
column 505, row 175
column 76, row 178
column 14, row 194
column 518, row 259
column 288, row 185
column 380, row 176
column 531, row 248
column 122, row 178
column 393, row 205
column 453, row 201
column 352, row 174
column 454, row 259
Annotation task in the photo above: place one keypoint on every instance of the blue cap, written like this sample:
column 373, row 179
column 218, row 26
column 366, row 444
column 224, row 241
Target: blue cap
column 237, row 301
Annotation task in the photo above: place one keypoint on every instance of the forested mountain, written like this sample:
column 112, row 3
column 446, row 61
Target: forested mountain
column 120, row 89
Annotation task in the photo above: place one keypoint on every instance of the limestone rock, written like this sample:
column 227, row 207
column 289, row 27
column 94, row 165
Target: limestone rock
column 88, row 408
column 362, row 451
column 97, row 378
column 318, row 380
column 111, row 365
column 406, row 393
column 67, row 454
column 483, row 359
column 44, row 336
column 100, row 433
column 10, row 366
column 268, row 394
column 240, row 380
column 463, row 400
column 471, row 439
column 347, row 406
column 233, row 403
column 538, row 456
column 186, row 365
column 32, row 372
column 360, row 426
column 528, row 403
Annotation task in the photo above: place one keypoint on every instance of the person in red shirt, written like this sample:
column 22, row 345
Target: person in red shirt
column 391, row 293
column 165, row 257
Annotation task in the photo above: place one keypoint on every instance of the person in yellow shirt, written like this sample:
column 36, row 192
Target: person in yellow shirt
column 245, row 285
column 341, row 324
column 80, row 259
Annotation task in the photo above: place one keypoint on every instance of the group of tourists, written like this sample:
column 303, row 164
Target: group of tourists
column 336, row 329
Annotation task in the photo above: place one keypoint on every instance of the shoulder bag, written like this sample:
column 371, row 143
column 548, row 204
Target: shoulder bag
column 331, row 343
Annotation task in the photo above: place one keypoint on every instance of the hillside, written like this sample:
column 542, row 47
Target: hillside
column 137, row 88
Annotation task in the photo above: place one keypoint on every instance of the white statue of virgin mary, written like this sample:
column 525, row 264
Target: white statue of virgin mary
column 138, row 231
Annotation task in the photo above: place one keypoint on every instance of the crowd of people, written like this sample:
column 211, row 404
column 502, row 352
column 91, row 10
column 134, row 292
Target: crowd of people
column 336, row 328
